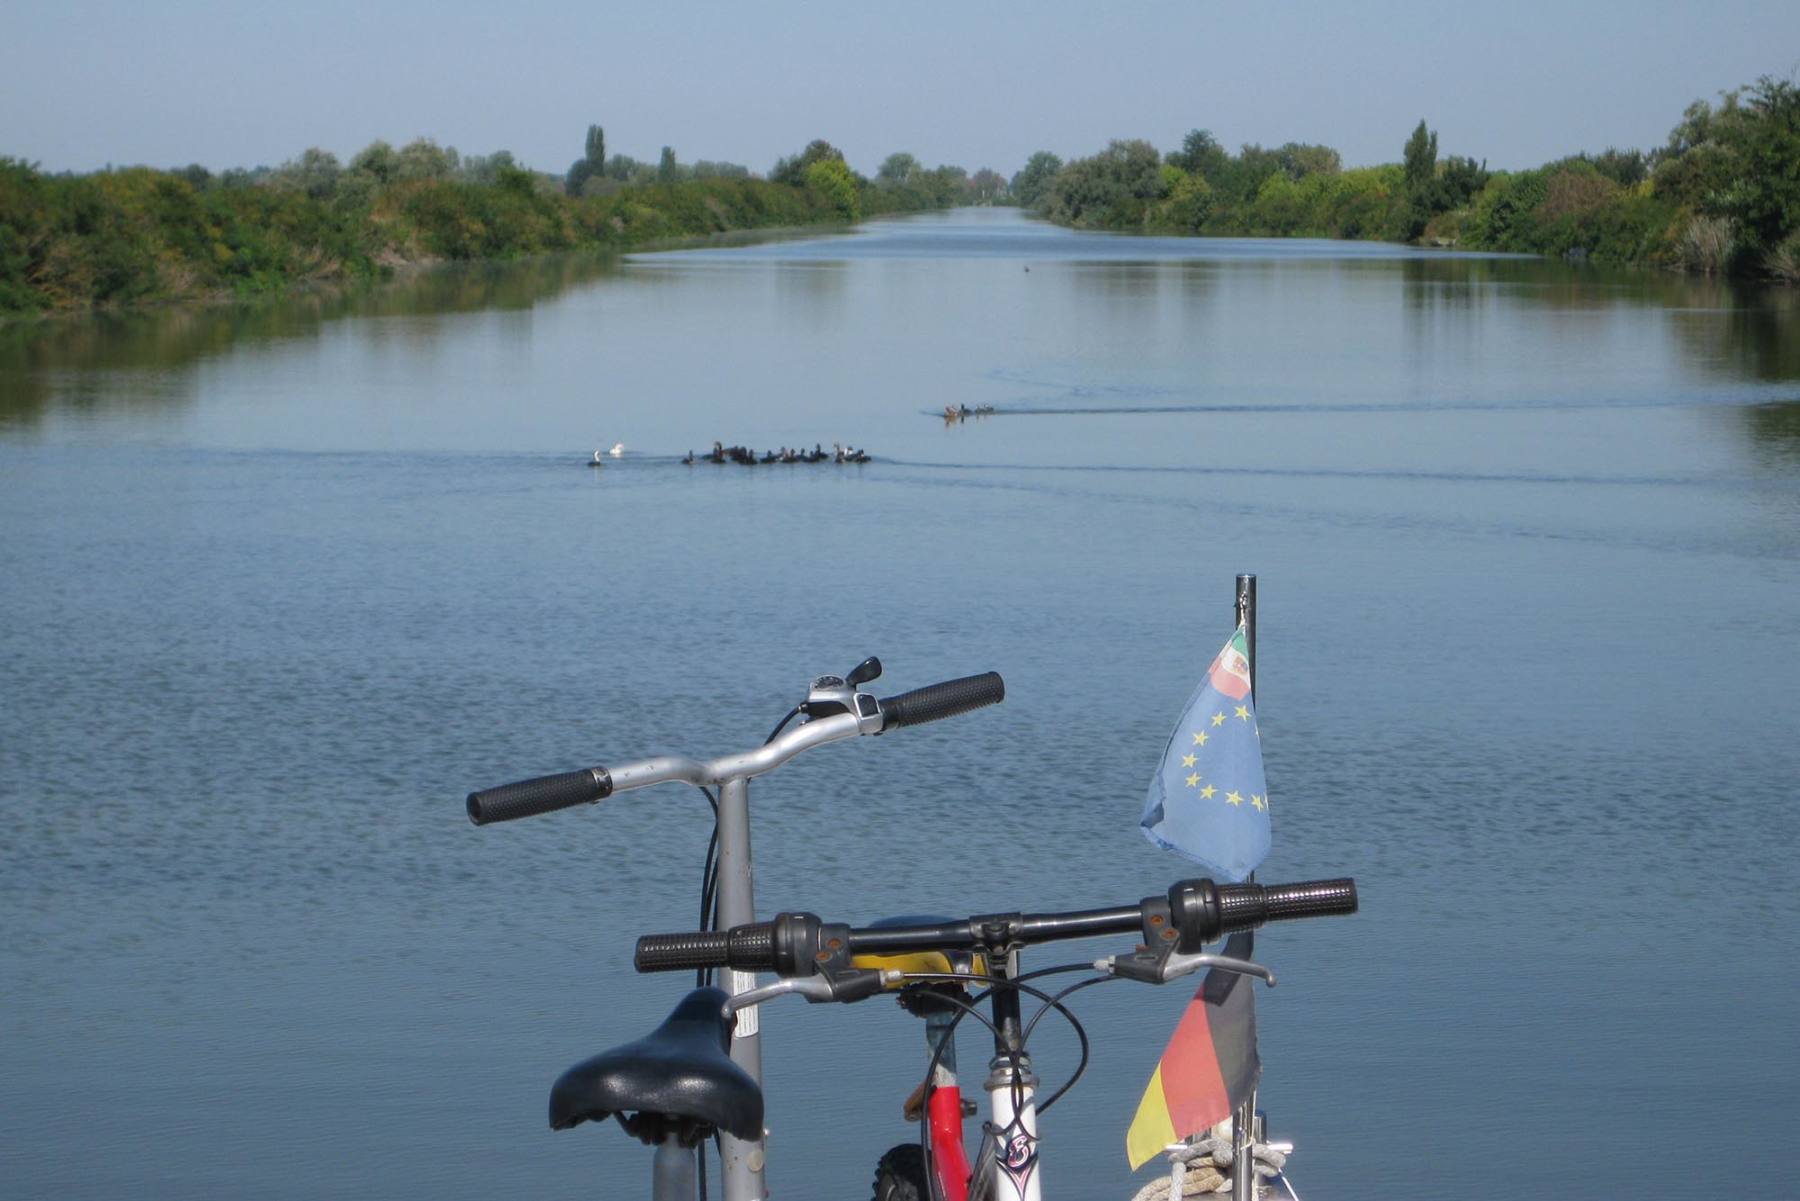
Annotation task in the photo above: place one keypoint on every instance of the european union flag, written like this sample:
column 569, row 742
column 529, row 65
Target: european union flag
column 1208, row 800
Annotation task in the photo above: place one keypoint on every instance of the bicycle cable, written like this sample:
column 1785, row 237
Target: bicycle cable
column 709, row 882
column 969, row 1007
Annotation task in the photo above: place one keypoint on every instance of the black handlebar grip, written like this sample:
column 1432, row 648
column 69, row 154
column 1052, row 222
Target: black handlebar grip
column 1247, row 906
column 936, row 701
column 749, row 947
column 544, row 794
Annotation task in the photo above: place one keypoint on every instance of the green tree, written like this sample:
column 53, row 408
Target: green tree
column 897, row 170
column 667, row 170
column 1189, row 204
column 1111, row 190
column 315, row 172
column 1420, row 156
column 590, row 165
column 830, row 177
column 1201, row 154
column 377, row 161
column 1300, row 159
column 792, row 171
column 1030, row 184
column 1425, row 194
column 423, row 158
column 1764, row 199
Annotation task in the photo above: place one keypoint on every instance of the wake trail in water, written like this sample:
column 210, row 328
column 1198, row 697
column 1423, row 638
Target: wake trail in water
column 1733, row 400
column 1346, row 473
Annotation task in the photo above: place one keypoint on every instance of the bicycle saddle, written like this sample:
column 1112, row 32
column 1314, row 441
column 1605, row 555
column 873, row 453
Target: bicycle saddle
column 679, row 1081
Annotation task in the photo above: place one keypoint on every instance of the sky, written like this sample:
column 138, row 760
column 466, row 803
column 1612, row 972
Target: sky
column 84, row 83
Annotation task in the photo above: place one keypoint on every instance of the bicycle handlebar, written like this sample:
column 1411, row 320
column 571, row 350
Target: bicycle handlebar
column 1194, row 912
column 544, row 794
column 527, row 798
column 937, row 701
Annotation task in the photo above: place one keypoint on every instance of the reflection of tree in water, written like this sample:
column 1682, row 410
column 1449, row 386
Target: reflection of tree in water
column 1776, row 427
column 144, row 357
column 1751, row 334
column 1731, row 332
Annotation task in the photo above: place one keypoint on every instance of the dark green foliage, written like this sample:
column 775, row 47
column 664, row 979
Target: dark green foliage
column 1420, row 158
column 1033, row 180
column 1624, row 167
column 592, row 162
column 118, row 237
column 1201, row 155
column 792, row 170
column 898, row 170
column 1764, row 198
column 1112, row 190
column 1723, row 193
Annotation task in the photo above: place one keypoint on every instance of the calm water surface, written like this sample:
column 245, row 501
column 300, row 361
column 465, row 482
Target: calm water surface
column 281, row 585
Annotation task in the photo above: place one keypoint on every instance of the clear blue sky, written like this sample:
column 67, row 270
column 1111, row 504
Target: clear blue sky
column 87, row 82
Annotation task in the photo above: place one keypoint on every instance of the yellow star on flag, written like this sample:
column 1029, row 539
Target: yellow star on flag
column 1258, row 801
column 1218, row 719
column 1234, row 798
column 1187, row 761
column 1199, row 738
column 1243, row 712
column 1208, row 791
column 1193, row 780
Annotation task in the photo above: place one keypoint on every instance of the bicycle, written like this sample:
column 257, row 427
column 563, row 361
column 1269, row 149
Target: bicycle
column 697, row 1077
column 835, row 708
column 834, row 962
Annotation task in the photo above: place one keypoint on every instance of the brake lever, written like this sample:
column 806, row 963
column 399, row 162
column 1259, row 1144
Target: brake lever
column 1160, row 969
column 838, row 986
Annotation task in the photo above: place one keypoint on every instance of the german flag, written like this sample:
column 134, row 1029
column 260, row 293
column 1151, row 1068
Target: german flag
column 1209, row 1068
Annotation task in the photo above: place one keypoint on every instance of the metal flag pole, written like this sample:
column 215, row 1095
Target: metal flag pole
column 1243, row 1159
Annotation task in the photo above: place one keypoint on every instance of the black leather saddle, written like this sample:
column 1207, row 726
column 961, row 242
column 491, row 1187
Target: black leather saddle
column 679, row 1081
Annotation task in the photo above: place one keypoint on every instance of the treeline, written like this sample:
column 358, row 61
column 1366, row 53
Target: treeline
column 139, row 234
column 1722, row 195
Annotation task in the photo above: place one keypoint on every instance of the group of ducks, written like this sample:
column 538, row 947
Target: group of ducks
column 742, row 454
column 964, row 412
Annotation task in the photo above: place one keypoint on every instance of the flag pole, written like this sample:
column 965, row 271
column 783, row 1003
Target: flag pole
column 1246, row 617
column 1243, row 1160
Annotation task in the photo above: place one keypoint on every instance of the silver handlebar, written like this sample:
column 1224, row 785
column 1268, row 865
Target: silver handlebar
column 641, row 773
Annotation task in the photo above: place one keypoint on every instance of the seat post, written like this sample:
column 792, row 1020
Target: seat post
column 742, row 1159
column 672, row 1175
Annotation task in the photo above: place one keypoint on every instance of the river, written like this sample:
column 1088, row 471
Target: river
column 283, row 583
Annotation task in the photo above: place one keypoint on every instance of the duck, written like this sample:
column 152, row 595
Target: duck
column 597, row 461
column 618, row 448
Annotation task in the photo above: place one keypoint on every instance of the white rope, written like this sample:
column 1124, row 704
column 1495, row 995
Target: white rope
column 1204, row 1166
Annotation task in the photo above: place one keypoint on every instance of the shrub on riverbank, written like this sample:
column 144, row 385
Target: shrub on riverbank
column 135, row 235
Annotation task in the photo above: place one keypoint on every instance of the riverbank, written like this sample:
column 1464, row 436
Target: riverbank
column 1720, row 198
column 140, row 236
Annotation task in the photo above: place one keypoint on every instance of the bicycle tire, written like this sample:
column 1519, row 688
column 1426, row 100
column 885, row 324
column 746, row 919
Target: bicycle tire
column 900, row 1174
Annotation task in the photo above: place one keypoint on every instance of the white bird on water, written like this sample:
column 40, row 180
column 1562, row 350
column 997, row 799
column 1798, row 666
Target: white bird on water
column 618, row 448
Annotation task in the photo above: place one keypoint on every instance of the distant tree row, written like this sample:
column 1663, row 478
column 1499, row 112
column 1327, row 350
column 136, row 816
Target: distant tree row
column 594, row 174
column 903, row 182
column 1723, row 194
column 137, row 234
